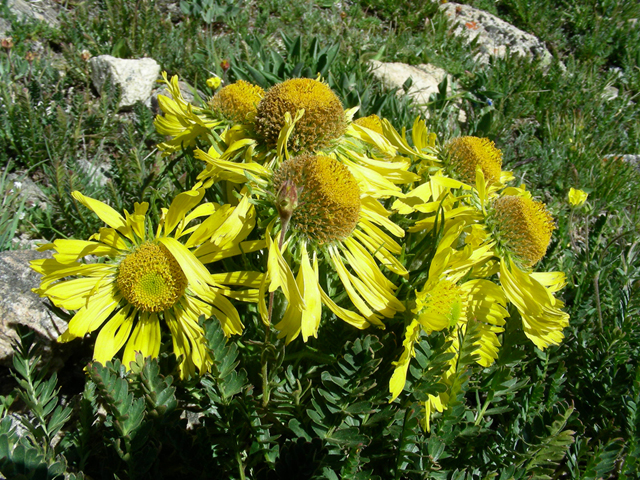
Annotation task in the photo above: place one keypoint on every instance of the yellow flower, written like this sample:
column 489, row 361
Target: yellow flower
column 446, row 303
column 214, row 82
column 147, row 279
column 237, row 102
column 323, row 119
column 521, row 226
column 181, row 120
column 325, row 218
column 577, row 197
column 467, row 153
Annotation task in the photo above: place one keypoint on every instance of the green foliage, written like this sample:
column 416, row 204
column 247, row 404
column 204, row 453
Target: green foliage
column 320, row 410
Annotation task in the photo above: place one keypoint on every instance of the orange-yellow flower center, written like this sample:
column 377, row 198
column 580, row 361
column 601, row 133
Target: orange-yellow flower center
column 237, row 102
column 372, row 122
column 151, row 279
column 521, row 226
column 322, row 122
column 467, row 153
column 327, row 206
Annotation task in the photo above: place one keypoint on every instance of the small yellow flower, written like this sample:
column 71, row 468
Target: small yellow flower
column 577, row 197
column 214, row 82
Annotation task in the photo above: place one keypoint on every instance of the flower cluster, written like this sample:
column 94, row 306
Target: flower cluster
column 354, row 220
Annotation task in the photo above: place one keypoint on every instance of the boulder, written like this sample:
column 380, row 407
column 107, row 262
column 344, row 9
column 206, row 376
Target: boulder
column 425, row 80
column 19, row 305
column 42, row 10
column 495, row 37
column 135, row 77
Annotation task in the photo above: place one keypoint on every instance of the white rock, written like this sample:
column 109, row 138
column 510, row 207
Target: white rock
column 136, row 78
column 494, row 36
column 425, row 77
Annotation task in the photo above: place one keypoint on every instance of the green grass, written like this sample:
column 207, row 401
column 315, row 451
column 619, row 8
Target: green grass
column 554, row 128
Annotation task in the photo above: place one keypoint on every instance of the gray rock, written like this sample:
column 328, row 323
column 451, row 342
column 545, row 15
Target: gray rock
column 19, row 305
column 5, row 26
column 425, row 78
column 42, row 10
column 136, row 77
column 633, row 160
column 494, row 36
column 97, row 172
column 33, row 195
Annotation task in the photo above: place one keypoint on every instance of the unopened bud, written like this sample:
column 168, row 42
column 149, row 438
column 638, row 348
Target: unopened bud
column 287, row 200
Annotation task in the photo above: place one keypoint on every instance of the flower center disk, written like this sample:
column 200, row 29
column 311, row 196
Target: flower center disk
column 466, row 153
column 322, row 122
column 328, row 202
column 522, row 226
column 237, row 102
column 151, row 279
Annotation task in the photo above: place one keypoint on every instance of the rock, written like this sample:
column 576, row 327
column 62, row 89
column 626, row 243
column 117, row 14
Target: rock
column 19, row 305
column 633, row 160
column 97, row 172
column 495, row 37
column 29, row 190
column 42, row 10
column 136, row 78
column 609, row 93
column 425, row 77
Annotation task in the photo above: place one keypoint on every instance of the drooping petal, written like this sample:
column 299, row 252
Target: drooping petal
column 313, row 302
column 399, row 377
column 180, row 206
column 114, row 335
column 144, row 339
column 193, row 269
column 92, row 316
column 542, row 319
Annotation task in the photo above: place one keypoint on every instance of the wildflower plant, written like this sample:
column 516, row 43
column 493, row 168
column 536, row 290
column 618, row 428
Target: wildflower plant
column 348, row 232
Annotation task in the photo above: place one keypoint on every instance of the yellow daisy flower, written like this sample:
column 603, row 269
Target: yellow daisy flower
column 444, row 302
column 148, row 278
column 237, row 102
column 324, row 219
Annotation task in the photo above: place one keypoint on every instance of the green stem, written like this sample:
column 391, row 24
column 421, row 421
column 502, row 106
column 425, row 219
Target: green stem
column 240, row 466
column 407, row 412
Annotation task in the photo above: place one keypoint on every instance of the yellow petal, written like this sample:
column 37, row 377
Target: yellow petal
column 372, row 210
column 69, row 251
column 347, row 281
column 180, row 206
column 399, row 377
column 144, row 339
column 193, row 269
column 113, row 335
column 107, row 214
column 281, row 276
column 97, row 310
column 311, row 291
column 348, row 316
